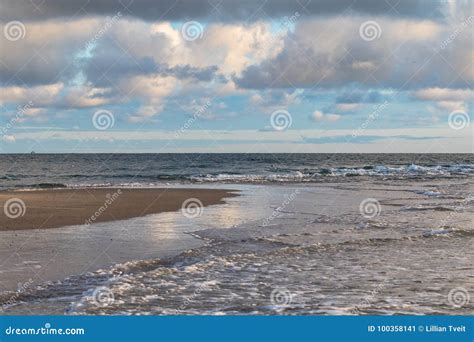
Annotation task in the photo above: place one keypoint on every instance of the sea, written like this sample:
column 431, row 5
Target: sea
column 82, row 170
column 309, row 234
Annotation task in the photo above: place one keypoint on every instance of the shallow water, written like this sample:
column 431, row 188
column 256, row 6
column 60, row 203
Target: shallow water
column 286, row 249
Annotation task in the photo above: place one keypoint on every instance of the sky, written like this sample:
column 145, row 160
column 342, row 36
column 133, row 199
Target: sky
column 354, row 76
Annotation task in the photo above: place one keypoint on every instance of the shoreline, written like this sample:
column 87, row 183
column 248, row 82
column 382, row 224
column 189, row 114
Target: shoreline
column 55, row 208
column 320, row 230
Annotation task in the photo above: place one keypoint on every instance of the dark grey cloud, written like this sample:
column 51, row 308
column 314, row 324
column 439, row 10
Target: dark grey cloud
column 103, row 70
column 247, row 10
column 331, row 53
column 37, row 70
column 26, row 64
column 206, row 74
column 361, row 96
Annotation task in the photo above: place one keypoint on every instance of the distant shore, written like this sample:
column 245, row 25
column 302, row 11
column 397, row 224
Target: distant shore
column 64, row 207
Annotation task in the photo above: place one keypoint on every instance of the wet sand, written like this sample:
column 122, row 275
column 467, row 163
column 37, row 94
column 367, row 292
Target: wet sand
column 327, row 252
column 65, row 207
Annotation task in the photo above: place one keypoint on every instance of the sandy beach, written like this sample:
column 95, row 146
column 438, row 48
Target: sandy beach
column 64, row 207
column 313, row 243
column 379, row 235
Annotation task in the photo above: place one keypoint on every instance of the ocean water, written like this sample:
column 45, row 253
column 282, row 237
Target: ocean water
column 44, row 170
column 394, row 235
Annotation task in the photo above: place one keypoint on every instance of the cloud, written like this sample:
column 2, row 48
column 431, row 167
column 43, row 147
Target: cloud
column 335, row 55
column 364, row 139
column 101, row 73
column 38, row 100
column 356, row 96
column 140, row 66
column 319, row 116
column 84, row 97
column 271, row 100
column 47, row 53
column 40, row 96
column 446, row 99
column 354, row 99
column 8, row 138
column 451, row 106
column 223, row 10
column 130, row 61
column 347, row 107
column 444, row 94
column 152, row 91
column 412, row 140
column 67, row 51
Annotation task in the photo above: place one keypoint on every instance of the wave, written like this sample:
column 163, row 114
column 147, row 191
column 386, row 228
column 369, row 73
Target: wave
column 268, row 175
column 409, row 171
column 208, row 279
column 47, row 186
